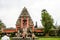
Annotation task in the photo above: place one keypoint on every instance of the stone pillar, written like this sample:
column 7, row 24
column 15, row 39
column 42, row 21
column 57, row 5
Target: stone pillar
column 16, row 28
column 21, row 22
column 27, row 22
column 33, row 28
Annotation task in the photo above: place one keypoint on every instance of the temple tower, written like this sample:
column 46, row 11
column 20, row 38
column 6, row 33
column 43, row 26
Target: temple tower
column 24, row 20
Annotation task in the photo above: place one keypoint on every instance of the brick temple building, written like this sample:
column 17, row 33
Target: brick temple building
column 24, row 21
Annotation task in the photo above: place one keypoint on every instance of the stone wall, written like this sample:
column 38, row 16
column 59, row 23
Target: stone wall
column 20, row 38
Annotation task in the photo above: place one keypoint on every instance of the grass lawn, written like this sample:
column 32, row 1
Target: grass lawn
column 49, row 39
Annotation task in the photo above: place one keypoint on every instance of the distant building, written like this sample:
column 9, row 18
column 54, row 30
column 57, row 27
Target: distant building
column 8, row 30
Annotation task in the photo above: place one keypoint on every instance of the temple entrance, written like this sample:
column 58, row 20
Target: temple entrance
column 24, row 23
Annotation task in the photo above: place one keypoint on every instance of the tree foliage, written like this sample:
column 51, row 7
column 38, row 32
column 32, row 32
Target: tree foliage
column 47, row 20
column 1, row 25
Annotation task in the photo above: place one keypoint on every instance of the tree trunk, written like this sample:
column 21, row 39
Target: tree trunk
column 47, row 35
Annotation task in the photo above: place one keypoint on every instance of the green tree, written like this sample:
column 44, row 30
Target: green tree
column 1, row 25
column 47, row 21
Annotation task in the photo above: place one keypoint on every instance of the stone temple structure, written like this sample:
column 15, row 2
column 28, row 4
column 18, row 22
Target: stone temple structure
column 24, row 27
column 24, row 23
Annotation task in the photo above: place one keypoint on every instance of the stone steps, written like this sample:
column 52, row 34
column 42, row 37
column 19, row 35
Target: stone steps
column 21, row 38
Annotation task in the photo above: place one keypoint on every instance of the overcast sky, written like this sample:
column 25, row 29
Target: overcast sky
column 11, row 9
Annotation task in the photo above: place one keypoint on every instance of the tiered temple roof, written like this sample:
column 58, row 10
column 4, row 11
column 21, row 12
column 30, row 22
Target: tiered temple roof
column 24, row 14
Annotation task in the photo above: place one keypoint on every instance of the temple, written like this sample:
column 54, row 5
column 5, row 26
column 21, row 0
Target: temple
column 24, row 20
column 23, row 24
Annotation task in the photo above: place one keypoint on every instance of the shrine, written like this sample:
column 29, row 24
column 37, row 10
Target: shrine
column 24, row 25
column 24, row 22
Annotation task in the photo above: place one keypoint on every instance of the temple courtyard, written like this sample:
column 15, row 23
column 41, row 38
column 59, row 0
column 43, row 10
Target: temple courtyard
column 25, row 29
